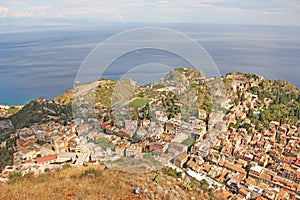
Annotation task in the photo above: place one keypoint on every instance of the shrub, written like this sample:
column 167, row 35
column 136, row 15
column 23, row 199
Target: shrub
column 67, row 165
column 90, row 173
column 171, row 172
column 13, row 176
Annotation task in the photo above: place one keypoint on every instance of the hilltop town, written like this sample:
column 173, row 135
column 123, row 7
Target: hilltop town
column 239, row 133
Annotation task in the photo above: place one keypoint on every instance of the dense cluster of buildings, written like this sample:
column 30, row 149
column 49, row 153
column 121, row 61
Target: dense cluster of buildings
column 238, row 163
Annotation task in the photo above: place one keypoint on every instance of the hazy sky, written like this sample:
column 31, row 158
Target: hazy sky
column 268, row 12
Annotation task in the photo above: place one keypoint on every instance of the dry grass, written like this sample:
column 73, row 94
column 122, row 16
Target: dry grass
column 95, row 183
column 65, row 98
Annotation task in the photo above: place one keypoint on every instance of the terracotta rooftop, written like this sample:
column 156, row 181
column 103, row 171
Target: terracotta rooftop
column 224, row 194
column 46, row 158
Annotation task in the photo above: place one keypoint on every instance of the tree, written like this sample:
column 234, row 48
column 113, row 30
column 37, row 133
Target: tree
column 204, row 183
column 245, row 126
column 242, row 97
column 106, row 118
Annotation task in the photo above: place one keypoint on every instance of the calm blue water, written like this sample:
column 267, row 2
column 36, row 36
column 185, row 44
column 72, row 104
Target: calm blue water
column 44, row 62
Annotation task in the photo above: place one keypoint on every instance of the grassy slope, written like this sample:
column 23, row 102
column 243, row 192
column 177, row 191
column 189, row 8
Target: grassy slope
column 96, row 183
column 138, row 103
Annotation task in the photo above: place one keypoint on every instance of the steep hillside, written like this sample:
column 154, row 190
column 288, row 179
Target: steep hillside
column 39, row 111
column 7, row 111
column 283, row 98
column 65, row 98
column 102, row 89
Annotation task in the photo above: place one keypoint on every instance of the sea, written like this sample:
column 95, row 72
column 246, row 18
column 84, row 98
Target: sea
column 46, row 61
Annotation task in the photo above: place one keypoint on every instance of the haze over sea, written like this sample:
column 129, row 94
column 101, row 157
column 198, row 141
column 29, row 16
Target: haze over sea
column 44, row 61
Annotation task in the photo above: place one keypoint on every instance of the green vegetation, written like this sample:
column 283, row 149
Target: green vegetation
column 36, row 112
column 13, row 110
column 90, row 173
column 6, row 153
column 138, row 103
column 171, row 172
column 104, row 143
column 204, row 98
column 191, row 184
column 250, row 75
column 67, row 165
column 6, row 158
column 204, row 183
column 40, row 142
column 245, row 126
column 103, row 93
column 5, row 113
column 284, row 106
column 171, row 104
column 13, row 176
